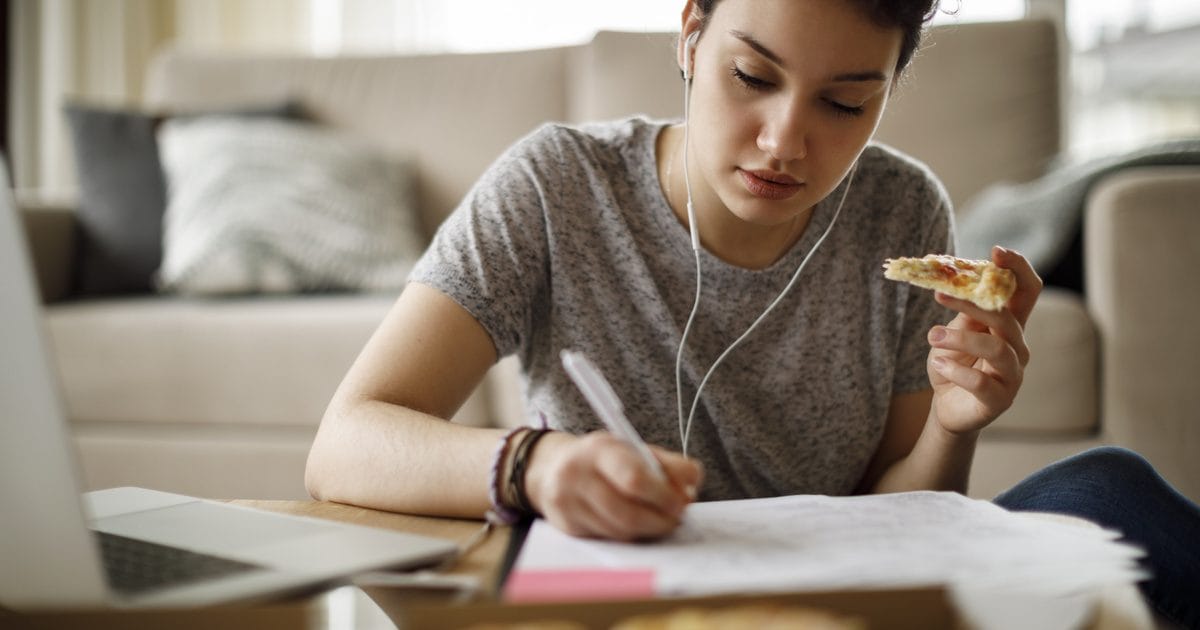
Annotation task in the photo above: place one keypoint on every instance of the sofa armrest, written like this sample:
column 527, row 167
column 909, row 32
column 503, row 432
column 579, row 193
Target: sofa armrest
column 1141, row 251
column 1058, row 397
column 50, row 232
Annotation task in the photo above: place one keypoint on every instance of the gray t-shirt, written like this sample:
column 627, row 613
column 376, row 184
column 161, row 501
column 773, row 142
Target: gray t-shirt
column 568, row 242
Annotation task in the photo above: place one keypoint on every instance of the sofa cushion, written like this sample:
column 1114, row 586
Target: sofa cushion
column 1002, row 460
column 601, row 86
column 254, row 361
column 217, row 462
column 1059, row 395
column 249, row 361
column 450, row 114
column 988, row 93
column 122, row 196
column 282, row 206
column 123, row 193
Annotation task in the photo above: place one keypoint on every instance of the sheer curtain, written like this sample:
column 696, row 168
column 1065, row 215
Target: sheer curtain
column 477, row 25
column 69, row 47
column 97, row 51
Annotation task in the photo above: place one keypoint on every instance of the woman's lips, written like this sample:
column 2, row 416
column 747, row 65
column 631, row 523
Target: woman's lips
column 770, row 185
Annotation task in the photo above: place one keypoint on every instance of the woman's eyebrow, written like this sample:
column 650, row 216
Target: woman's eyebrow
column 749, row 40
column 870, row 75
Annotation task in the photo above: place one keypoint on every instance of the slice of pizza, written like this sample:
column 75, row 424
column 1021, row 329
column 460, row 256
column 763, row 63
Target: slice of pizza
column 978, row 281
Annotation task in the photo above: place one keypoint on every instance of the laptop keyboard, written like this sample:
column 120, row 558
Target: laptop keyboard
column 136, row 566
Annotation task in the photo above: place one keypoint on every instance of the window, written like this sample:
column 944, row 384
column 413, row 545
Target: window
column 340, row 26
column 1134, row 78
column 1091, row 24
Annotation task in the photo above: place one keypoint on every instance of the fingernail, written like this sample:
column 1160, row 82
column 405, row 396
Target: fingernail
column 691, row 492
column 937, row 334
column 939, row 363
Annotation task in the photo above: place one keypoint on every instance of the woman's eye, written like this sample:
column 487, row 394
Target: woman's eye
column 749, row 81
column 842, row 109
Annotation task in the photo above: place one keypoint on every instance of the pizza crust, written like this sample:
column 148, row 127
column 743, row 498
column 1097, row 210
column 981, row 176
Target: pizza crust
column 761, row 616
column 978, row 281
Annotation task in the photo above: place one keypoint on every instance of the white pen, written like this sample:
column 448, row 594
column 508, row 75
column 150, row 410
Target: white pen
column 604, row 402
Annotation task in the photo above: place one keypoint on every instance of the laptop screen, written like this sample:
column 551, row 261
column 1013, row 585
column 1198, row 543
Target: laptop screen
column 47, row 556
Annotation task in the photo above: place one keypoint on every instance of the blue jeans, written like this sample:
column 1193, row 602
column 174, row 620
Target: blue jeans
column 1119, row 489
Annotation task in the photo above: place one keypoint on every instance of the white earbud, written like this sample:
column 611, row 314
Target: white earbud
column 688, row 48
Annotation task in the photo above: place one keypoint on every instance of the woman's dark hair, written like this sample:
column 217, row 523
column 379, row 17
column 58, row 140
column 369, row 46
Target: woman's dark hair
column 910, row 16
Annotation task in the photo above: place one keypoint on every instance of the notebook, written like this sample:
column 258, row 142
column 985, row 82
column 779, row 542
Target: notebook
column 134, row 547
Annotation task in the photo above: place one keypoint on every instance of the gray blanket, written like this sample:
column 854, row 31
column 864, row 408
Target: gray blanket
column 1042, row 217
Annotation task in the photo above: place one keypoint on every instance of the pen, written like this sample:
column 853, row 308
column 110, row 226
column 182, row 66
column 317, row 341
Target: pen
column 604, row 402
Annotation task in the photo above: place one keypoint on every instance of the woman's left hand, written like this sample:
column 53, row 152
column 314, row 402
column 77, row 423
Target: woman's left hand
column 977, row 361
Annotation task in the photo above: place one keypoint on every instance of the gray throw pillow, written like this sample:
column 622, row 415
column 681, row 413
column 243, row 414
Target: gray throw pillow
column 122, row 193
column 121, row 200
column 275, row 206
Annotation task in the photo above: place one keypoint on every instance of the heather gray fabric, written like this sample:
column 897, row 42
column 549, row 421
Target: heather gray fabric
column 567, row 242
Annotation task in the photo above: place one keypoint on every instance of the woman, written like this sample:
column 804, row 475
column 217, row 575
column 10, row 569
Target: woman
column 578, row 238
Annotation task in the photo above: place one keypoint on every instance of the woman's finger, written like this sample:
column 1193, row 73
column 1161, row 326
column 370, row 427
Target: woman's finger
column 1002, row 323
column 597, row 485
column 622, row 466
column 626, row 519
column 584, row 503
column 685, row 473
column 977, row 345
column 581, row 519
column 1029, row 284
column 987, row 390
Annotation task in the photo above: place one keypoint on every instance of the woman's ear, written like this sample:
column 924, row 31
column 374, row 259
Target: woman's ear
column 689, row 31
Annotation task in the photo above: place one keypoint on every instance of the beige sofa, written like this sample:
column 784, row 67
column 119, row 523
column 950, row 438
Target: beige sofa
column 222, row 397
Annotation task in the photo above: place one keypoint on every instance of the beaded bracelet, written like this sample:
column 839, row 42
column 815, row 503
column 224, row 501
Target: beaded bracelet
column 501, row 513
column 516, row 480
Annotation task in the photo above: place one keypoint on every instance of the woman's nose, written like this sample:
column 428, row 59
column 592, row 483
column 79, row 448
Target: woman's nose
column 784, row 131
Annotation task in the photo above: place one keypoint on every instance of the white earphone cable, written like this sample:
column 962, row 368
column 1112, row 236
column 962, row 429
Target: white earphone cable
column 685, row 428
column 695, row 234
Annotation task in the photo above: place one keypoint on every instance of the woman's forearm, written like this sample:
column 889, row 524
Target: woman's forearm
column 385, row 456
column 939, row 460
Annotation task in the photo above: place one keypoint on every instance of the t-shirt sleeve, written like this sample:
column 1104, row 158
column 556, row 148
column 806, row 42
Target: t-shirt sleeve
column 922, row 312
column 490, row 254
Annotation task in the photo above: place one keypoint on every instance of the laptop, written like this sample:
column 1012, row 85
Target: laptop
column 134, row 547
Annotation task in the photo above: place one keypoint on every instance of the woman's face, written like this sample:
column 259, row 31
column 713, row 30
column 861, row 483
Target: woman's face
column 786, row 94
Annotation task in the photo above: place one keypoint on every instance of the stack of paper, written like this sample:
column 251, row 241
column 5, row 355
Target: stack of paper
column 806, row 542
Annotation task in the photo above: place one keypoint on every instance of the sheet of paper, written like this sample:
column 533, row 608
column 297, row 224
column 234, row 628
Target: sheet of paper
column 818, row 542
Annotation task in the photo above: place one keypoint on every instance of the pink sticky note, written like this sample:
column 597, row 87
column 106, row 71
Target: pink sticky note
column 551, row 585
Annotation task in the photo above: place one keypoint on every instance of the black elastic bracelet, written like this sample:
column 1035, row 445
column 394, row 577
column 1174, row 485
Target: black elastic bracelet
column 501, row 512
column 520, row 461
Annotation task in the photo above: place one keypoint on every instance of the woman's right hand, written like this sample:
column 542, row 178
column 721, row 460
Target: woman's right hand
column 597, row 486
